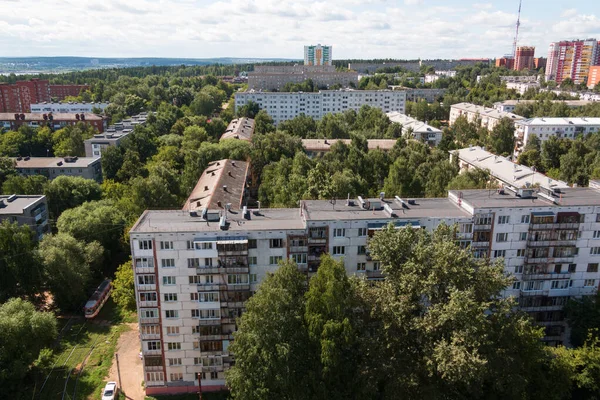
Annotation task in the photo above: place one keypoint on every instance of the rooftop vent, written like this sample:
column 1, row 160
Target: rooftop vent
column 27, row 158
column 225, row 187
column 205, row 188
column 11, row 198
column 2, row 205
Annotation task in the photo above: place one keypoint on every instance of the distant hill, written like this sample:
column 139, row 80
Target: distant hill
column 63, row 64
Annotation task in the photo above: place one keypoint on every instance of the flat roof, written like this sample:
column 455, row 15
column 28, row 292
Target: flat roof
column 17, row 205
column 53, row 162
column 409, row 122
column 561, row 121
column 55, row 116
column 239, row 128
column 506, row 171
column 222, row 182
column 479, row 198
column 484, row 111
column 325, row 144
column 570, row 103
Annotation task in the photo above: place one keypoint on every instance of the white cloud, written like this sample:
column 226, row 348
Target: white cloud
column 569, row 13
column 588, row 25
column 412, row 2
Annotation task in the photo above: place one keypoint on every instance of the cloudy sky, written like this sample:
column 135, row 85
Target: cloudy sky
column 279, row 28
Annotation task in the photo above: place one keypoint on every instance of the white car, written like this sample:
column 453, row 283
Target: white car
column 110, row 391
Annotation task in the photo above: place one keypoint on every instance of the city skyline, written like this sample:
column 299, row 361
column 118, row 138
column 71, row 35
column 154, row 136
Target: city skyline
column 406, row 29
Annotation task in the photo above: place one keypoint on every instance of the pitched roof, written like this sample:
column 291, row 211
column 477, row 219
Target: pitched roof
column 239, row 128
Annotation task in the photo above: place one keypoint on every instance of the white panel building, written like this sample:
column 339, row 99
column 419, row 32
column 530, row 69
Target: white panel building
column 484, row 116
column 417, row 129
column 287, row 105
column 67, row 107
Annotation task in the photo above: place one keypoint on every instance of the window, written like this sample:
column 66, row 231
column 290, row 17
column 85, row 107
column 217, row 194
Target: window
column 339, row 250
column 153, row 345
column 523, row 236
column 274, row 260
column 167, row 263
column 194, row 296
column 563, row 284
column 172, row 314
column 595, row 251
column 252, row 260
column 237, row 279
column 596, row 234
column 209, row 297
column 209, row 314
column 533, row 285
column 519, row 269
column 169, row 280
column 195, row 313
column 172, row 330
column 517, row 285
column 362, row 231
column 597, row 217
column 166, row 245
column 190, row 244
column 204, row 246
column 144, row 262
column 525, row 219
column 148, row 296
column 170, row 297
column 252, row 244
column 361, row 250
column 299, row 258
column 499, row 253
column 193, row 262
column 503, row 219
column 154, row 376
column 361, row 266
column 589, row 282
column 174, row 362
column 176, row 376
column 195, row 279
column 145, row 244
column 173, row 346
column 592, row 267
column 376, row 266
column 557, row 268
column 209, row 279
column 275, row 243
column 501, row 237
column 339, row 232
column 521, row 252
column 208, row 262
column 214, row 375
column 149, row 313
column 253, row 278
column 572, row 267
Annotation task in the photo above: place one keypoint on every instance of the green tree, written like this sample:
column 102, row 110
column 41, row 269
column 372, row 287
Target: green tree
column 24, row 332
column 133, row 104
column 263, row 123
column 68, row 141
column 66, row 192
column 583, row 316
column 123, row 287
column 68, row 267
column 29, row 185
column 7, row 168
column 471, row 179
column 112, row 161
column 248, row 110
column 302, row 126
column 12, row 143
column 502, row 136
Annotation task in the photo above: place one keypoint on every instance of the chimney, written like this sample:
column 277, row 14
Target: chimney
column 205, row 188
column 225, row 187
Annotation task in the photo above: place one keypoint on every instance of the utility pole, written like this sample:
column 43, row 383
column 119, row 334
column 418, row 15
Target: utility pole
column 200, row 385
column 118, row 371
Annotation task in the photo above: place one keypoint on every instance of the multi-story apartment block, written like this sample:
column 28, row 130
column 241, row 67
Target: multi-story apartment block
column 593, row 77
column 417, row 129
column 510, row 105
column 544, row 128
column 522, row 87
column 285, row 106
column 429, row 95
column 524, row 58
column 317, row 147
column 18, row 96
column 31, row 211
column 195, row 268
column 317, row 55
column 114, row 135
column 11, row 121
column 540, row 62
column 276, row 77
column 486, row 117
column 506, row 61
column 53, row 167
column 66, row 107
column 239, row 128
column 572, row 59
column 60, row 92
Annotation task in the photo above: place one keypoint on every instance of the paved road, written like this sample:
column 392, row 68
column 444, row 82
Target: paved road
column 132, row 373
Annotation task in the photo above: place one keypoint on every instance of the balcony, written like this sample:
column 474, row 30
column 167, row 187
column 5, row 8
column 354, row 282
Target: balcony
column 229, row 253
column 298, row 249
column 545, row 276
column 480, row 244
column 146, row 287
column 155, row 383
column 152, row 352
column 374, row 274
column 541, row 292
column 552, row 226
column 144, row 270
column 465, row 236
column 482, row 227
column 149, row 336
column 240, row 269
column 234, row 304
column 151, row 368
column 208, row 270
column 148, row 303
column 303, row 267
column 213, row 368
column 244, row 286
column 149, row 321
column 537, row 260
column 228, row 320
column 212, row 321
column 317, row 240
column 210, row 287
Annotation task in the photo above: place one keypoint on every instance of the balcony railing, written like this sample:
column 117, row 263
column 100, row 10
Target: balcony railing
column 150, row 368
column 234, row 304
column 152, row 352
column 374, row 274
column 545, row 276
column 480, row 244
column 146, row 287
column 149, row 320
column 209, row 270
column 317, row 240
column 148, row 303
column 149, row 336
column 210, row 287
column 298, row 249
column 244, row 286
column 154, row 383
column 144, row 270
column 482, row 227
column 237, row 269
column 555, row 225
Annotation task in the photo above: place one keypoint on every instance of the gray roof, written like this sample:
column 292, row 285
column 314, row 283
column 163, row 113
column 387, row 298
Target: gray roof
column 53, row 162
column 17, row 204
column 569, row 197
column 409, row 122
column 579, row 121
column 484, row 111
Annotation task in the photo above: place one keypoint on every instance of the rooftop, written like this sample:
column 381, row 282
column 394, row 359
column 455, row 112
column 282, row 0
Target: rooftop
column 320, row 145
column 569, row 103
column 222, row 182
column 560, row 121
column 345, row 90
column 491, row 198
column 55, row 116
column 484, row 111
column 16, row 204
column 409, row 122
column 239, row 128
column 55, row 162
column 506, row 171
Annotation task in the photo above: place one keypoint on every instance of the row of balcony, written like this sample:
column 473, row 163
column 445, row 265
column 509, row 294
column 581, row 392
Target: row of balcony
column 555, row 225
column 551, row 243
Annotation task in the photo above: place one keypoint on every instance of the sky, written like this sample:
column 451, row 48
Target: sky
column 363, row 29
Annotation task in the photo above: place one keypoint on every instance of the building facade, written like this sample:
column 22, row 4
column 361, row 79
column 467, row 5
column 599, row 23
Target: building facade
column 593, row 77
column 545, row 128
column 510, row 105
column 40, row 108
column 31, row 211
column 9, row 121
column 524, row 58
column 18, row 97
column 522, row 87
column 60, row 92
column 506, row 61
column 417, row 129
column 572, row 59
column 53, row 167
column 285, row 106
column 276, row 77
column 113, row 135
column 192, row 279
column 317, row 55
column 486, row 117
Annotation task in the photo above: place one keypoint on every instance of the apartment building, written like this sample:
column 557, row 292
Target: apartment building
column 593, row 77
column 484, row 116
column 195, row 268
column 274, row 78
column 11, row 121
column 572, row 59
column 31, row 211
column 510, row 105
column 285, row 106
column 524, row 58
column 114, row 135
column 239, row 128
column 317, row 55
column 60, row 92
column 417, row 129
column 522, row 87
column 52, row 167
column 67, row 107
column 428, row 95
column 318, row 147
column 544, row 128
column 17, row 97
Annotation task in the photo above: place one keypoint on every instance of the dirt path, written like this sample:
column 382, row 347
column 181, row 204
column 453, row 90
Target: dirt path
column 132, row 373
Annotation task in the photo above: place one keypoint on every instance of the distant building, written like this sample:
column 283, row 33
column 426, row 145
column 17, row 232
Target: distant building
column 11, row 121
column 239, row 128
column 544, row 128
column 506, row 61
column 572, row 59
column 486, row 117
column 53, row 167
column 419, row 130
column 522, row 87
column 316, row 147
column 31, row 211
column 284, row 106
column 519, row 78
column 317, row 55
column 510, row 105
column 60, row 92
column 17, row 97
column 67, row 107
column 114, row 135
column 593, row 77
column 540, row 62
column 524, row 58
column 415, row 95
column 276, row 77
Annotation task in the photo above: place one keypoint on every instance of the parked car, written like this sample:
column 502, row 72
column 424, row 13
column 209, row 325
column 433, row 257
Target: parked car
column 110, row 391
